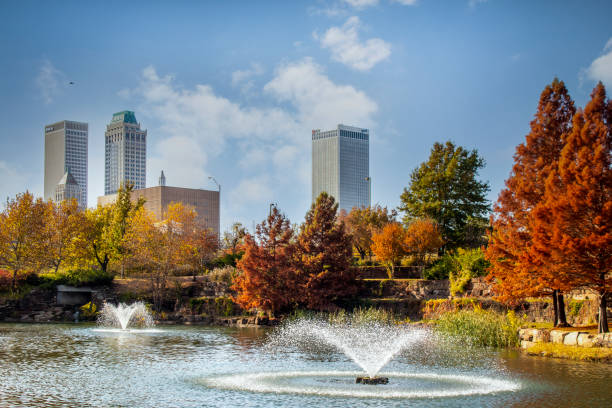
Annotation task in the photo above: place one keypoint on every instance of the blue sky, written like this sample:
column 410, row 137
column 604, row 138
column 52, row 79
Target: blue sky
column 232, row 89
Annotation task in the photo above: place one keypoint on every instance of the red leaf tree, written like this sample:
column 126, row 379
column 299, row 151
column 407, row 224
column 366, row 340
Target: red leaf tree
column 515, row 273
column 268, row 279
column 574, row 220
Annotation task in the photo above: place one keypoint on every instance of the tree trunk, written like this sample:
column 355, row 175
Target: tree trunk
column 562, row 316
column 555, row 309
column 602, row 325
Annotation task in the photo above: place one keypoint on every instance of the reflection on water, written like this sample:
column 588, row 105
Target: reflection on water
column 75, row 365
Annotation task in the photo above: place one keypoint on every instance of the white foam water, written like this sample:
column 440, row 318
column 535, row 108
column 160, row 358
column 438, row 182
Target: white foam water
column 122, row 316
column 341, row 384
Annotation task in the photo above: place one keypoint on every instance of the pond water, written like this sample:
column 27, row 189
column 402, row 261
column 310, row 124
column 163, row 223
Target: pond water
column 80, row 365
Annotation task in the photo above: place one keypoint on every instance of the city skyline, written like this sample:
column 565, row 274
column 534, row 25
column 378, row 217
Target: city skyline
column 221, row 94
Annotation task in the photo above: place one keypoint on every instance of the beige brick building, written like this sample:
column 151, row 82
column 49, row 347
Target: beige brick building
column 205, row 202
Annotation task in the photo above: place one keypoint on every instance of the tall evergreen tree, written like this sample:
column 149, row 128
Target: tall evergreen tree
column 324, row 256
column 446, row 189
column 515, row 273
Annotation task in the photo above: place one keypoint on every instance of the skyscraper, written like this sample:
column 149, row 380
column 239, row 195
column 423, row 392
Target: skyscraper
column 66, row 150
column 125, row 153
column 341, row 165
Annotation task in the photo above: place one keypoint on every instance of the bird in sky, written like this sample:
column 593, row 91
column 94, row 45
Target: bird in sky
column 70, row 83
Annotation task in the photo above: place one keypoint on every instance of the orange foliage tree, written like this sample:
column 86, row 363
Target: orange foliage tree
column 268, row 279
column 574, row 220
column 515, row 275
column 361, row 223
column 324, row 254
column 422, row 237
column 388, row 246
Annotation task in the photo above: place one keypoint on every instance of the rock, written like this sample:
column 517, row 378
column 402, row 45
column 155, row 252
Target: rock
column 557, row 336
column 586, row 340
column 571, row 339
column 604, row 339
column 534, row 335
column 525, row 344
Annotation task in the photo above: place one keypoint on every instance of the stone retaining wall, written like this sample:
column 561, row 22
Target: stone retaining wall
column 530, row 337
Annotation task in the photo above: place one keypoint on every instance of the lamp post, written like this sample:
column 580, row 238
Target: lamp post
column 219, row 187
column 272, row 205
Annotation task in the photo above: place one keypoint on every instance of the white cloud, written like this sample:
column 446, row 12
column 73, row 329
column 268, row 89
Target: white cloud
column 361, row 3
column 49, row 80
column 345, row 46
column 243, row 78
column 601, row 68
column 265, row 150
column 242, row 75
column 406, row 2
column 319, row 101
column 252, row 190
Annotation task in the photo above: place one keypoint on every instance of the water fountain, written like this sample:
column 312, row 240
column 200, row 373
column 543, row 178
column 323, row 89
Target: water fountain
column 122, row 316
column 371, row 345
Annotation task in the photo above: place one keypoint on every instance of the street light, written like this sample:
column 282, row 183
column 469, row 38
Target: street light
column 219, row 186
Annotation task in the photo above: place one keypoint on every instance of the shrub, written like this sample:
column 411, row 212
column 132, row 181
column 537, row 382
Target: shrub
column 89, row 309
column 441, row 269
column 225, row 274
column 481, row 327
column 574, row 307
column 469, row 263
column 361, row 316
column 76, row 277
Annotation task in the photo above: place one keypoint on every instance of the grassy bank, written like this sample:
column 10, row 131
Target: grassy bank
column 600, row 354
column 481, row 327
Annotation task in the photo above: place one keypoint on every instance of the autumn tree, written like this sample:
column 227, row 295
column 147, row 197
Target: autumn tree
column 446, row 189
column 204, row 244
column 63, row 233
column 324, row 253
column 99, row 236
column 573, row 222
column 160, row 247
column 234, row 237
column 122, row 210
column 268, row 279
column 361, row 223
column 422, row 237
column 388, row 246
column 21, row 232
column 513, row 272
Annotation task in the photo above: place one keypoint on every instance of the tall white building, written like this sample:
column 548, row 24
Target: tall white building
column 341, row 165
column 66, row 150
column 125, row 153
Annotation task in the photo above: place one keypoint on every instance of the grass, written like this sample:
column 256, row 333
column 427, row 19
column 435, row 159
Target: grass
column 601, row 354
column 481, row 327
column 77, row 277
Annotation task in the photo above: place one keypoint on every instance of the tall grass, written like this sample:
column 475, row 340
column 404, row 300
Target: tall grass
column 361, row 316
column 481, row 327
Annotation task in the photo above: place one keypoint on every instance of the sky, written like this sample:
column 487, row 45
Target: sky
column 232, row 89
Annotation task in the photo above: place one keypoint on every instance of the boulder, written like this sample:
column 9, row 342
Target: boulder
column 571, row 339
column 586, row 339
column 557, row 336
